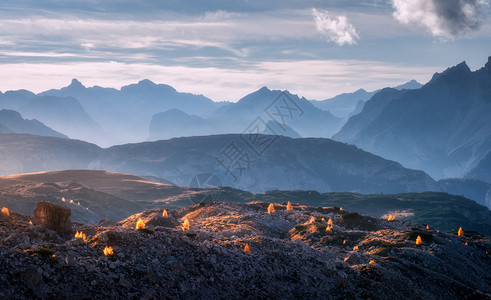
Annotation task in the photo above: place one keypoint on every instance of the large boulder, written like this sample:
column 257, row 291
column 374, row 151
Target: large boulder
column 53, row 216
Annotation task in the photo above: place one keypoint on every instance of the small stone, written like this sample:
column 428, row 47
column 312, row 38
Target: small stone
column 125, row 283
column 93, row 282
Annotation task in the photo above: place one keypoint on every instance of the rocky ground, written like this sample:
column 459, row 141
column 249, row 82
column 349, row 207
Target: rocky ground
column 292, row 255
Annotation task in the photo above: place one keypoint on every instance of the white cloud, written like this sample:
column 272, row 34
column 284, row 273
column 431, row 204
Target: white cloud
column 443, row 18
column 335, row 29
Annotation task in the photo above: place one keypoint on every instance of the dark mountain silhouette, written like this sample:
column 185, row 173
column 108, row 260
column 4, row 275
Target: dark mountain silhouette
column 443, row 128
column 12, row 122
column 285, row 163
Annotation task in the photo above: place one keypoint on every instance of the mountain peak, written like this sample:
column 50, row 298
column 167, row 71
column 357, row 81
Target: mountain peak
column 457, row 70
column 410, row 85
column 76, row 84
column 146, row 82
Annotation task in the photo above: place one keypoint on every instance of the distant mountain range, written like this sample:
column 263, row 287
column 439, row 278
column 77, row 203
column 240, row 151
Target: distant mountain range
column 146, row 110
column 443, row 128
column 255, row 163
column 286, row 114
column 343, row 105
column 12, row 122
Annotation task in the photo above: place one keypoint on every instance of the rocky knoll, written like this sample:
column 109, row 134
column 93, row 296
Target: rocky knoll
column 291, row 253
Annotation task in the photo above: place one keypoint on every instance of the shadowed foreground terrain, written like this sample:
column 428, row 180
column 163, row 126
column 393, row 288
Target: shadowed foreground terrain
column 291, row 255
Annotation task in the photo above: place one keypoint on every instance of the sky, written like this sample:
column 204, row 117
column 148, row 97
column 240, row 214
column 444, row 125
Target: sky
column 226, row 49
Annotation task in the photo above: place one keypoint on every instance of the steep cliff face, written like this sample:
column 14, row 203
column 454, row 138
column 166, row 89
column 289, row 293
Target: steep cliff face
column 442, row 128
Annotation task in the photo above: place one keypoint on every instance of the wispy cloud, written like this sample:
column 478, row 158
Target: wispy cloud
column 443, row 18
column 336, row 29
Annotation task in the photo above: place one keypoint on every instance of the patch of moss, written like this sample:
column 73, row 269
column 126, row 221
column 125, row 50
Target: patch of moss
column 351, row 215
column 190, row 235
column 44, row 251
column 300, row 227
column 146, row 230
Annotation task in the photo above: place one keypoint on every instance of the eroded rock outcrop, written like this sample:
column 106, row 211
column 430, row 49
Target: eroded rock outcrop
column 53, row 216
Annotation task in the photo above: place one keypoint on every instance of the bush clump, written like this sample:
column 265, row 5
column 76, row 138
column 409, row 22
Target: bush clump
column 351, row 215
column 44, row 251
column 300, row 227
column 425, row 236
column 190, row 235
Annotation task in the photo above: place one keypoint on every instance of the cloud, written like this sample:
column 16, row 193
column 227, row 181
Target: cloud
column 443, row 18
column 336, row 29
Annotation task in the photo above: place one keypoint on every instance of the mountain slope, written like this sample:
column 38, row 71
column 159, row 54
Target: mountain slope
column 442, row 128
column 477, row 190
column 64, row 114
column 343, row 105
column 16, row 124
column 98, row 194
column 483, row 169
column 278, row 163
column 21, row 153
column 14, row 100
column 291, row 115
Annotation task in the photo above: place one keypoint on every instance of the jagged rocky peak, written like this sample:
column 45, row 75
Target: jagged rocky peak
column 487, row 66
column 455, row 71
column 76, row 84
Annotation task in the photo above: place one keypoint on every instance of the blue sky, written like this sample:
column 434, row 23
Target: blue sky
column 226, row 49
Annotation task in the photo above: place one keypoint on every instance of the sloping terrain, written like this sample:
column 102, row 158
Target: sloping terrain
column 291, row 255
column 92, row 194
column 250, row 162
column 14, row 123
column 113, row 196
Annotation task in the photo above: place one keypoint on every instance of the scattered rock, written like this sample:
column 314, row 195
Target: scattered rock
column 53, row 216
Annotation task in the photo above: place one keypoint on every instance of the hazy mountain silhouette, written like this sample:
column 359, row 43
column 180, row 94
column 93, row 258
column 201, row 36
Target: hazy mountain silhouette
column 126, row 113
column 474, row 189
column 287, row 164
column 443, row 128
column 64, row 114
column 344, row 104
column 482, row 170
column 12, row 122
column 15, row 99
column 275, row 112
